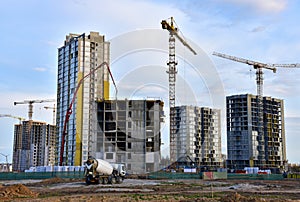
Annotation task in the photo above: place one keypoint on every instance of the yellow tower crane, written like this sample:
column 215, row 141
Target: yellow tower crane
column 14, row 117
column 30, row 104
column 169, row 25
column 259, row 82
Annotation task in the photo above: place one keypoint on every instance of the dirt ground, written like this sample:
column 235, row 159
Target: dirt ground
column 57, row 189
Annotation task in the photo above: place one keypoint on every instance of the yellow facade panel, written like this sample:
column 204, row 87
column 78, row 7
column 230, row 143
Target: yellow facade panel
column 106, row 90
column 79, row 121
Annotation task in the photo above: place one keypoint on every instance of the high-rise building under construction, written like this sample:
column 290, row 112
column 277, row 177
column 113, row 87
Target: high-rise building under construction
column 245, row 147
column 34, row 145
column 198, row 135
column 129, row 131
column 80, row 55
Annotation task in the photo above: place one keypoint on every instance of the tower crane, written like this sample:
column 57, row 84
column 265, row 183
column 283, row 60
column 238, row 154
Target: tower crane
column 169, row 25
column 30, row 104
column 259, row 82
column 54, row 109
column 69, row 110
column 11, row 116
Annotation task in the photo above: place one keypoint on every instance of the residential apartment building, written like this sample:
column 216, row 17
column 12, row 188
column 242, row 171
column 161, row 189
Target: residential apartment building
column 243, row 141
column 198, row 135
column 128, row 132
column 34, row 145
column 78, row 57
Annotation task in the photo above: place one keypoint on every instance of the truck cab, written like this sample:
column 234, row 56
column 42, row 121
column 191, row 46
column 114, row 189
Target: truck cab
column 120, row 168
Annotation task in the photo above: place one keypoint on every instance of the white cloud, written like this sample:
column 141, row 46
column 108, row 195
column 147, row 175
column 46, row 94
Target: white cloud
column 52, row 43
column 269, row 6
column 118, row 16
column 40, row 69
column 259, row 29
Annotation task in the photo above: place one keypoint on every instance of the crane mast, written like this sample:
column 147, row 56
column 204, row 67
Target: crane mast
column 259, row 82
column 172, row 71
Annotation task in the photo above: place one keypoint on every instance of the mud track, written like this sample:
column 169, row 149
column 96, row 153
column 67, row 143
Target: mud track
column 57, row 189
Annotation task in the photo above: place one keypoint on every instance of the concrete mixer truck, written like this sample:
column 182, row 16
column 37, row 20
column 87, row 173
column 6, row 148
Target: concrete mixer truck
column 102, row 172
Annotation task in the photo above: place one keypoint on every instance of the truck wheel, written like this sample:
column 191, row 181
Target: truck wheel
column 113, row 180
column 87, row 181
column 118, row 179
column 100, row 180
column 105, row 180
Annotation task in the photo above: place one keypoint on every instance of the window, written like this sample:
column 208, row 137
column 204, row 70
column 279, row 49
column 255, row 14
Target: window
column 109, row 155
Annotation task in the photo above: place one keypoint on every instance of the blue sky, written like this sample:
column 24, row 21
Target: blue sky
column 266, row 31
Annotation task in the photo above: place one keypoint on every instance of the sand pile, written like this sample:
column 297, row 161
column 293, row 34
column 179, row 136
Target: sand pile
column 17, row 190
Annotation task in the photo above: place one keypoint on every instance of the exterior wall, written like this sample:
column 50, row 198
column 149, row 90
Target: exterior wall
column 80, row 55
column 17, row 148
column 242, row 141
column 211, row 137
column 274, row 133
column 198, row 132
column 32, row 146
column 49, row 145
column 37, row 151
column 242, row 132
column 25, row 145
column 129, row 132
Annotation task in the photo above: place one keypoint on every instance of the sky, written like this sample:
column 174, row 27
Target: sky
column 264, row 31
